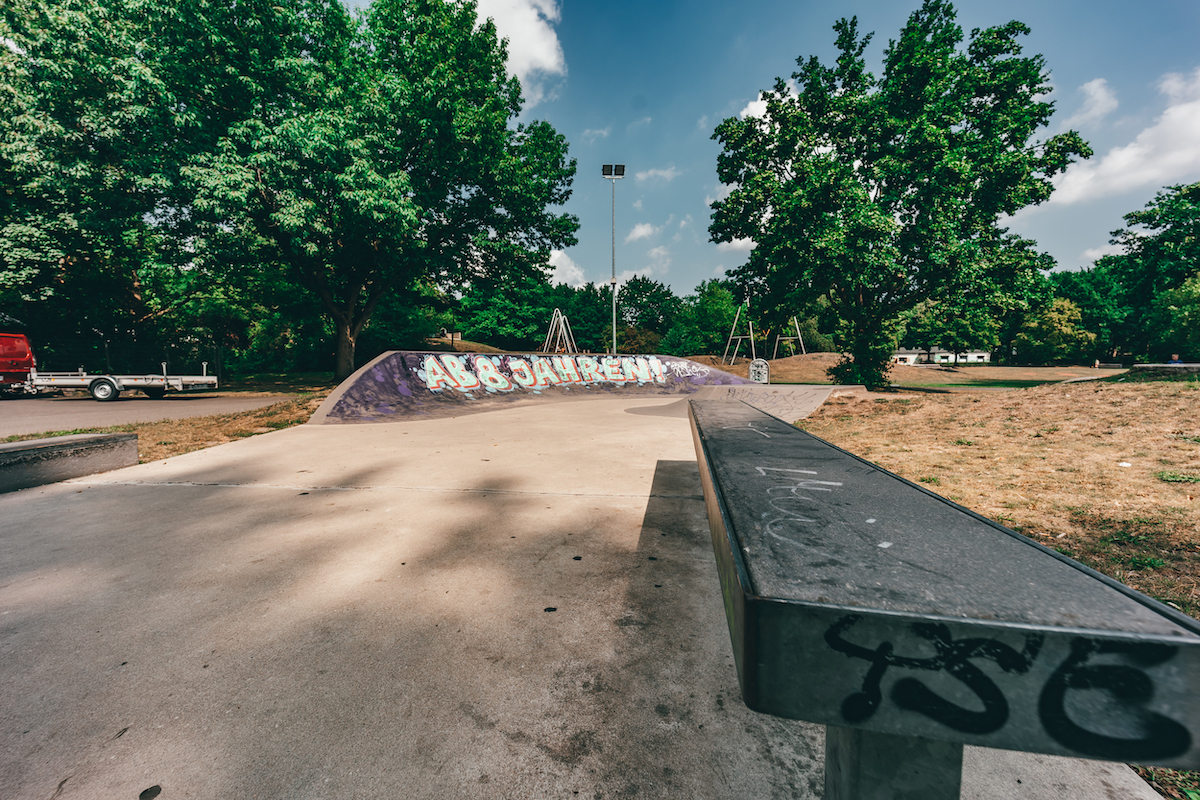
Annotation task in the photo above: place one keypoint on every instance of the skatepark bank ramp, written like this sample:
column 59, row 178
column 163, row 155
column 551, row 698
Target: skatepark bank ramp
column 403, row 383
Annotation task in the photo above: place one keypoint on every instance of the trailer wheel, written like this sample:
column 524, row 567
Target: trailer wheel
column 104, row 390
column 155, row 392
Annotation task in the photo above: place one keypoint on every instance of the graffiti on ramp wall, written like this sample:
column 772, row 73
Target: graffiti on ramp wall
column 440, row 384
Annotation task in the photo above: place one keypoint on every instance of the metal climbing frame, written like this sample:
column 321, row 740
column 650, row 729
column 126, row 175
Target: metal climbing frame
column 782, row 338
column 558, row 337
column 734, row 336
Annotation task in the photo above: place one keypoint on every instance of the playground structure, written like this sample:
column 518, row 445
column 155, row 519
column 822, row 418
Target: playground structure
column 735, row 339
column 558, row 337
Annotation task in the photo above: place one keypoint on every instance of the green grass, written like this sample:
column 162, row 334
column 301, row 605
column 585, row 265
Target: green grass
column 24, row 437
column 1178, row 783
column 1176, row 477
column 1152, row 376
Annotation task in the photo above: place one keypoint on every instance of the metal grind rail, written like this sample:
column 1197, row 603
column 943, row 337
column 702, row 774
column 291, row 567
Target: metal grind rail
column 911, row 626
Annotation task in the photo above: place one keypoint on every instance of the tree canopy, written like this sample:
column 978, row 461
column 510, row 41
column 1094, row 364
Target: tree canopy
column 176, row 148
column 1161, row 252
column 879, row 193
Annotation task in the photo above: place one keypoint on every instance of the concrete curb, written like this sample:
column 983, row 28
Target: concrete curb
column 40, row 461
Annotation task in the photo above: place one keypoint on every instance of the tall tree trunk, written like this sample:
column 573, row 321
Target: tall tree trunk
column 346, row 339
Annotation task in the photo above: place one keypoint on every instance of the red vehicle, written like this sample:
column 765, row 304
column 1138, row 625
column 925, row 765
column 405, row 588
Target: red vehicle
column 16, row 362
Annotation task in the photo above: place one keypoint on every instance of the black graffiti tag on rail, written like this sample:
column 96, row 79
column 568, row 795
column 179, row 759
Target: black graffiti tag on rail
column 1160, row 737
column 952, row 657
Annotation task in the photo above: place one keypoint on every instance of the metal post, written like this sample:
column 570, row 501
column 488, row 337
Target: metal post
column 863, row 765
column 614, row 172
column 614, row 266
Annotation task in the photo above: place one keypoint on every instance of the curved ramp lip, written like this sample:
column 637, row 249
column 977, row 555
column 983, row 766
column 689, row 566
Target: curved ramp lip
column 321, row 415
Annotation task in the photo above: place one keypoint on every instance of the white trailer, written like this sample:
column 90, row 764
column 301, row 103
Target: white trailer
column 109, row 387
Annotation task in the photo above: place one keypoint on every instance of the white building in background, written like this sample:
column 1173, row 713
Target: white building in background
column 939, row 356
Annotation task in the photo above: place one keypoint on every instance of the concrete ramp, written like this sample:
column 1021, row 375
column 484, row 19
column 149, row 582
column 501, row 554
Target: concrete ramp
column 405, row 383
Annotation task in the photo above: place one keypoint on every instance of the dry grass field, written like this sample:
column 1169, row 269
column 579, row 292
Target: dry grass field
column 811, row 369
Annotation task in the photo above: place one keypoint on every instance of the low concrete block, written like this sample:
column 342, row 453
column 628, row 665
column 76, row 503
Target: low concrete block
column 1167, row 370
column 41, row 461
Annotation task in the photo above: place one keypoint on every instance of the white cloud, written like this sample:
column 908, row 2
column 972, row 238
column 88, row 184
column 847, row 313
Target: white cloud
column 593, row 135
column 738, row 245
column 669, row 174
column 722, row 190
column 1093, row 253
column 637, row 123
column 1164, row 153
column 638, row 204
column 565, row 270
column 643, row 230
column 758, row 107
column 755, row 108
column 534, row 53
column 660, row 261
column 684, row 223
column 702, row 123
column 1098, row 102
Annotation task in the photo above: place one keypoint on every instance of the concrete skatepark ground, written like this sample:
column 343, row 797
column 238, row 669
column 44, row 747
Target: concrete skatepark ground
column 363, row 611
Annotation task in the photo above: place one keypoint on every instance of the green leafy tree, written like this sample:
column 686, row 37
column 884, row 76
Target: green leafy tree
column 701, row 327
column 647, row 304
column 82, row 121
column 1161, row 251
column 589, row 310
column 1176, row 321
column 1102, row 306
column 953, row 328
column 385, row 157
column 1054, row 336
column 153, row 153
column 876, row 193
column 513, row 314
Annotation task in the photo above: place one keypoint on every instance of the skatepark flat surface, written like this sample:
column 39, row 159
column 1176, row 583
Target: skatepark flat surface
column 344, row 611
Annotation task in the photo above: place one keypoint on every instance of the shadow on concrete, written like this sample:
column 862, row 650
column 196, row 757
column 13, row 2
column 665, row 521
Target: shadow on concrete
column 256, row 641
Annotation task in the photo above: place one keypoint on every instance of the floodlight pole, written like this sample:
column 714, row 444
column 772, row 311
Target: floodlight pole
column 614, row 172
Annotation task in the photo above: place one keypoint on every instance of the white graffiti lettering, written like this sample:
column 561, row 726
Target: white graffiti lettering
column 687, row 369
column 466, row 373
column 491, row 376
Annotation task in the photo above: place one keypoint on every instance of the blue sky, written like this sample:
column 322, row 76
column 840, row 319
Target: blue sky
column 645, row 83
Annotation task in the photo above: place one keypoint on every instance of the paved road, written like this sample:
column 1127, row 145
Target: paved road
column 521, row 603
column 38, row 414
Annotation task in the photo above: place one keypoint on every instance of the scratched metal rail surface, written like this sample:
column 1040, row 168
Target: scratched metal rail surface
column 858, row 599
column 818, row 524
